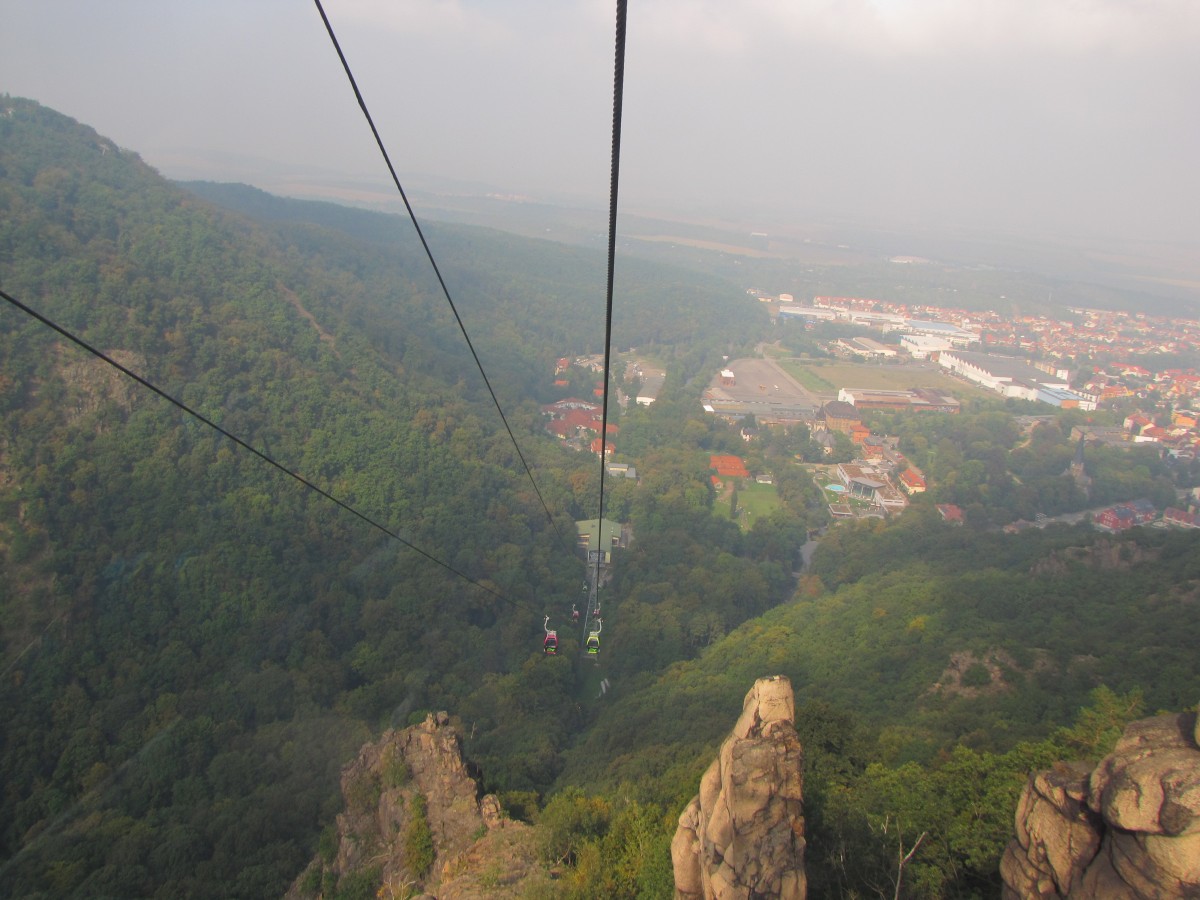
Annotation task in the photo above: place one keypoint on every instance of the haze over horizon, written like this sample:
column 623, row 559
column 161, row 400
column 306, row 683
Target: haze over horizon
column 1065, row 117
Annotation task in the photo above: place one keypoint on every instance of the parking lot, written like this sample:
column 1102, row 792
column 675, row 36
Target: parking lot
column 763, row 388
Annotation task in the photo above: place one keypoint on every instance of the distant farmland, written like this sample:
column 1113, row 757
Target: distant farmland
column 827, row 378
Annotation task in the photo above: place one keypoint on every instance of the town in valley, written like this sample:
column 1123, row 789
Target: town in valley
column 919, row 360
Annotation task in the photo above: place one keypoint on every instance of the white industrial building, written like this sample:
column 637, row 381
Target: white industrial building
column 884, row 321
column 958, row 337
column 1012, row 377
column 813, row 313
column 864, row 346
column 921, row 346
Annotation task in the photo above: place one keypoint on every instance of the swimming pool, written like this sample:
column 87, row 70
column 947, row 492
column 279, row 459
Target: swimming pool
column 836, row 488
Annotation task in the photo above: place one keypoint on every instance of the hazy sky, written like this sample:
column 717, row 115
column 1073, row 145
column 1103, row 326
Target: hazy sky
column 1067, row 116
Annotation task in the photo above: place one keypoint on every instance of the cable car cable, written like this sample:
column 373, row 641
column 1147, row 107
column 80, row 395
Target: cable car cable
column 362, row 104
column 241, row 443
column 614, row 181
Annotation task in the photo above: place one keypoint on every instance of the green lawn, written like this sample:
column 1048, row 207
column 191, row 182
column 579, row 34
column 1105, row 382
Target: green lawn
column 809, row 375
column 754, row 501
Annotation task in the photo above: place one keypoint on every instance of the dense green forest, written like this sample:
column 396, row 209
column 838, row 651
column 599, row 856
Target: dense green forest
column 193, row 643
column 1040, row 621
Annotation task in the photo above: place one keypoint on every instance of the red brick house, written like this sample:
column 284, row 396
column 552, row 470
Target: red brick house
column 912, row 481
column 1125, row 515
column 1180, row 517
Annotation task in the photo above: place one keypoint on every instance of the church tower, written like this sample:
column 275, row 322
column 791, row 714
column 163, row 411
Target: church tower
column 1076, row 470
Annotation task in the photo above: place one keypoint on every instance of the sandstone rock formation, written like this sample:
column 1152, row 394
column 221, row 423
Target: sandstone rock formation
column 413, row 784
column 1130, row 828
column 742, row 836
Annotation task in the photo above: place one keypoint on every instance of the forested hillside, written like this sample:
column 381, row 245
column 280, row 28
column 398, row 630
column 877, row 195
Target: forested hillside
column 192, row 642
column 521, row 291
column 934, row 666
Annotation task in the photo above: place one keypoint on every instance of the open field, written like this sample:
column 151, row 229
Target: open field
column 774, row 351
column 698, row 243
column 754, row 501
column 809, row 376
column 828, row 378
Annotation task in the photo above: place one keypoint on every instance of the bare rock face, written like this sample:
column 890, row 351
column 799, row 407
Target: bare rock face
column 1130, row 828
column 1057, row 835
column 414, row 820
column 742, row 836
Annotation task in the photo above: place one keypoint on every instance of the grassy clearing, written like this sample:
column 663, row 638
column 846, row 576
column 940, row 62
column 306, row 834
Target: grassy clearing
column 809, row 375
column 832, row 376
column 754, row 501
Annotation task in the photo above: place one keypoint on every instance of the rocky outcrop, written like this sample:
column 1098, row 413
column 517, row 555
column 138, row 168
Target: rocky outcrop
column 1104, row 554
column 1129, row 828
column 969, row 674
column 1057, row 835
column 414, row 821
column 742, row 836
column 93, row 383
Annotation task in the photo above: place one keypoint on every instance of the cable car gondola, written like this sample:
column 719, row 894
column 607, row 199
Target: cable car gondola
column 550, row 643
column 593, row 640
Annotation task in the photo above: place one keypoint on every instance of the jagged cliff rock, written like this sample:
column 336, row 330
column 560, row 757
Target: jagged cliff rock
column 742, row 836
column 414, row 821
column 1129, row 828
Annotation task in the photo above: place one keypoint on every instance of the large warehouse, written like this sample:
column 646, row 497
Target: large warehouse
column 1012, row 377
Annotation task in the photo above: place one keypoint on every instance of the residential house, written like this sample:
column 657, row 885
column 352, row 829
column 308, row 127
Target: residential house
column 1180, row 517
column 1125, row 515
column 951, row 513
column 912, row 481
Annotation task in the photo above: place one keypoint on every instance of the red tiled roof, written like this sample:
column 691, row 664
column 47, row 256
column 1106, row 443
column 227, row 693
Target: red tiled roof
column 1175, row 514
column 950, row 512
